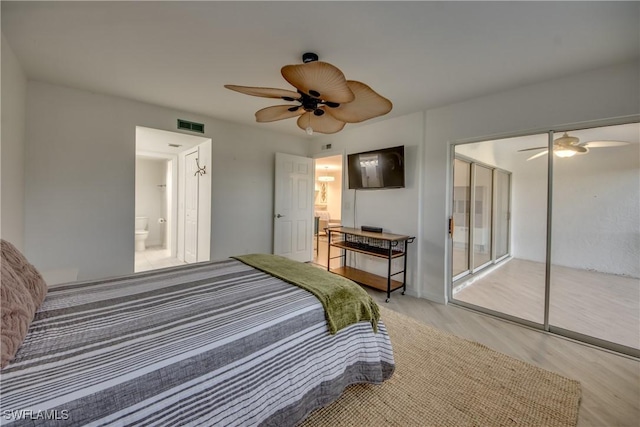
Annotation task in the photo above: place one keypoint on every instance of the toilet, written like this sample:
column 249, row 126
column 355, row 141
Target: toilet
column 142, row 232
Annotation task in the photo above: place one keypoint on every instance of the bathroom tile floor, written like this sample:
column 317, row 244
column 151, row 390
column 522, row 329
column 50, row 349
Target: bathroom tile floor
column 154, row 258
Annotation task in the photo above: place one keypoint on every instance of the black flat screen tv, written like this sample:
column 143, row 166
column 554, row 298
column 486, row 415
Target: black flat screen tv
column 376, row 169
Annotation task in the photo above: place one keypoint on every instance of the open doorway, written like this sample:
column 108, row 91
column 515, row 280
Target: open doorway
column 162, row 181
column 327, row 203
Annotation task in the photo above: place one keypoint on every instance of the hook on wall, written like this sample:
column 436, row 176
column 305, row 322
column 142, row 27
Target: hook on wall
column 201, row 170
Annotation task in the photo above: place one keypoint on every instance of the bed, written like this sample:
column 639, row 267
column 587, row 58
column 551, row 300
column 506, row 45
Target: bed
column 218, row 343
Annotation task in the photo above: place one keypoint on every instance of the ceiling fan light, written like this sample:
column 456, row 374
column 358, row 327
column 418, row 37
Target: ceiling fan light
column 326, row 178
column 564, row 153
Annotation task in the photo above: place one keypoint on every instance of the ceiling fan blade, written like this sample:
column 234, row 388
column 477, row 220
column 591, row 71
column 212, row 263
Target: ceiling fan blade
column 535, row 156
column 324, row 123
column 529, row 149
column 320, row 80
column 278, row 112
column 367, row 105
column 600, row 144
column 265, row 92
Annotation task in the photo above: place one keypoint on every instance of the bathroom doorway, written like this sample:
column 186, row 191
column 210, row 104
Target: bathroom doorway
column 161, row 173
column 327, row 203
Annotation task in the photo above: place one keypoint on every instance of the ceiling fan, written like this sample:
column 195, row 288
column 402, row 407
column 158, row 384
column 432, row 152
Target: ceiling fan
column 326, row 100
column 568, row 146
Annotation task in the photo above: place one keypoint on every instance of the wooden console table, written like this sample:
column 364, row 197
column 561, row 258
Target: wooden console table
column 382, row 245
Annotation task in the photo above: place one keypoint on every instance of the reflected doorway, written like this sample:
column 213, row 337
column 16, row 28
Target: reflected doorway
column 328, row 181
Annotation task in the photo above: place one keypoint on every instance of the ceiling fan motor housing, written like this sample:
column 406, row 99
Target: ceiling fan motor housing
column 309, row 57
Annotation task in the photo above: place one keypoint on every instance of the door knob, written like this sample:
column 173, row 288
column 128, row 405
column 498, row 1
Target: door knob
column 279, row 216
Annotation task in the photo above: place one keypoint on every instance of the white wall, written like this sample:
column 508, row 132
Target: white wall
column 529, row 208
column 596, row 211
column 14, row 101
column 150, row 173
column 334, row 196
column 80, row 180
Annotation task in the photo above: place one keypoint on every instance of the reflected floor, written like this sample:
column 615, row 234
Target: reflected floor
column 601, row 305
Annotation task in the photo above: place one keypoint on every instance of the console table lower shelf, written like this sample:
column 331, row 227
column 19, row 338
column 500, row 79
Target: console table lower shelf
column 385, row 246
column 368, row 279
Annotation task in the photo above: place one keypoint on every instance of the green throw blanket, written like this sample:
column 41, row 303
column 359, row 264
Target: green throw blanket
column 344, row 301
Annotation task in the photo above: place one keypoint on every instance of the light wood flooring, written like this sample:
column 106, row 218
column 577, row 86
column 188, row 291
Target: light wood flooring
column 600, row 305
column 610, row 382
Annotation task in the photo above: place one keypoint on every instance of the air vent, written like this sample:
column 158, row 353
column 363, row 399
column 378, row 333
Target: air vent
column 192, row 126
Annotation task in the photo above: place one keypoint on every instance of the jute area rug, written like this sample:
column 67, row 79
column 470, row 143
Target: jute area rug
column 443, row 380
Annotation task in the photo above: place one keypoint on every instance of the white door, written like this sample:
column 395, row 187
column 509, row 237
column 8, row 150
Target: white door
column 293, row 207
column 191, row 209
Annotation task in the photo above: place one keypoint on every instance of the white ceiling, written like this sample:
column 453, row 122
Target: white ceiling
column 420, row 55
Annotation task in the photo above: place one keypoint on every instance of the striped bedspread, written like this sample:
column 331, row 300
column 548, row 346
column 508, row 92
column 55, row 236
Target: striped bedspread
column 215, row 344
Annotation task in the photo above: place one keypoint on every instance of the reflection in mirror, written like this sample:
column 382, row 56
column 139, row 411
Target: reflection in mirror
column 371, row 176
column 508, row 215
column 594, row 282
column 595, row 240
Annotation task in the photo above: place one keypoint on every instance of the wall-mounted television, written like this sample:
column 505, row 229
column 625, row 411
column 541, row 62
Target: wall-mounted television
column 376, row 169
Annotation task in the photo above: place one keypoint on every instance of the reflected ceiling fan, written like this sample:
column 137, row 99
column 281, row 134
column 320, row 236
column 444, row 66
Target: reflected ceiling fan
column 568, row 146
column 325, row 99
